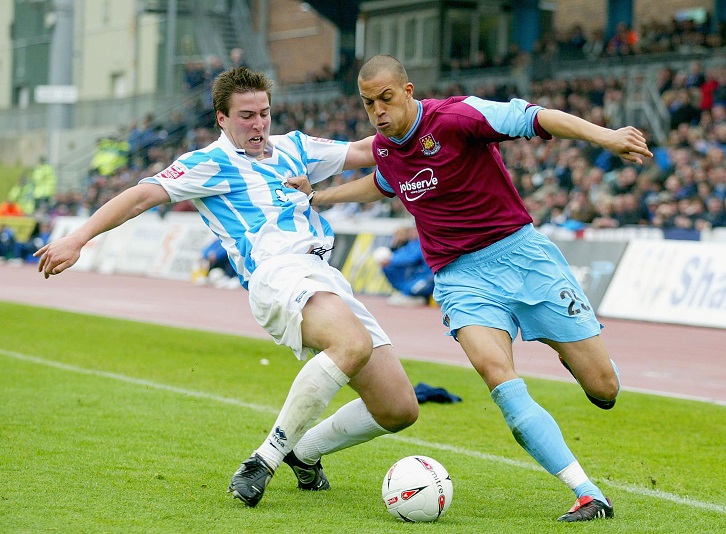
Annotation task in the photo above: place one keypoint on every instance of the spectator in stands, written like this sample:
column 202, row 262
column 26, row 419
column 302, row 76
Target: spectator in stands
column 237, row 57
column 478, row 239
column 605, row 213
column 7, row 242
column 572, row 46
column 279, row 247
column 214, row 267
column 9, row 208
column 38, row 239
column 709, row 86
column 45, row 182
column 193, row 75
column 696, row 75
column 112, row 155
column 595, row 186
column 714, row 215
column 405, row 268
column 716, row 176
column 146, row 138
column 579, row 208
column 684, row 107
column 627, row 210
column 213, row 67
column 623, row 43
column 175, row 130
column 625, row 181
column 594, row 48
column 22, row 197
column 665, row 212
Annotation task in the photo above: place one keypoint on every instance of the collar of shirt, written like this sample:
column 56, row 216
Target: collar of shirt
column 409, row 133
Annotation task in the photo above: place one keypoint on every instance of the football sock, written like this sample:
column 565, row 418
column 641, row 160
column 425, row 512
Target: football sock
column 350, row 425
column 575, row 478
column 533, row 428
column 588, row 488
column 311, row 391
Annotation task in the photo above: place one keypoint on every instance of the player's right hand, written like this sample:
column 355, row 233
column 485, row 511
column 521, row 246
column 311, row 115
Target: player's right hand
column 300, row 183
column 57, row 256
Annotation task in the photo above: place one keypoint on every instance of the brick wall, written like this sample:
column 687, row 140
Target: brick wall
column 300, row 42
column 592, row 14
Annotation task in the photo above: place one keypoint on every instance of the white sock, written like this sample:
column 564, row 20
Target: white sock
column 573, row 475
column 350, row 425
column 311, row 392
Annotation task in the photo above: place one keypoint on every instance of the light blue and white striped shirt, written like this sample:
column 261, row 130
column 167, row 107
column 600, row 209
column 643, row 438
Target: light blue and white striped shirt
column 247, row 203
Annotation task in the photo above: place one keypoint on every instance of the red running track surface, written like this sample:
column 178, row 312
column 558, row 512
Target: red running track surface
column 672, row 360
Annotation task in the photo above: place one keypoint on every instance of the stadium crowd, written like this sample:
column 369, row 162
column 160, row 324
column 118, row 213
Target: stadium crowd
column 682, row 36
column 563, row 183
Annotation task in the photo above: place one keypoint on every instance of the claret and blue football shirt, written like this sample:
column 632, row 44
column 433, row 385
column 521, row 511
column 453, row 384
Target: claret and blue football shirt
column 448, row 172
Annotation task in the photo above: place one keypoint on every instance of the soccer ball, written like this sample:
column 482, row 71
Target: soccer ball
column 417, row 488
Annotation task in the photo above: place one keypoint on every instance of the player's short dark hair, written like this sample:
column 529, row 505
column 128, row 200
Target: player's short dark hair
column 383, row 62
column 238, row 80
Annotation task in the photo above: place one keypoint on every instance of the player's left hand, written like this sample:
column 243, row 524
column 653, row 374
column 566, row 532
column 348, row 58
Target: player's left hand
column 629, row 143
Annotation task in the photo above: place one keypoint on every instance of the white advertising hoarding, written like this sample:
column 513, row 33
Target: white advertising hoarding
column 681, row 282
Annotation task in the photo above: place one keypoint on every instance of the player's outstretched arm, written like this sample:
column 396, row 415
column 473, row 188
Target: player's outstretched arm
column 360, row 190
column 360, row 154
column 627, row 142
column 59, row 255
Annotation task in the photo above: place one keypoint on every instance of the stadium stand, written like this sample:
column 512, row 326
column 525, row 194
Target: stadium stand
column 565, row 184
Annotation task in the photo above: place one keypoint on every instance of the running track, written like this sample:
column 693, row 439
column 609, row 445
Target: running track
column 672, row 360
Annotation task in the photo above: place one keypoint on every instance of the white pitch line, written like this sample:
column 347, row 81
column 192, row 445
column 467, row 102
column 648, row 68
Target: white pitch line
column 137, row 381
column 629, row 488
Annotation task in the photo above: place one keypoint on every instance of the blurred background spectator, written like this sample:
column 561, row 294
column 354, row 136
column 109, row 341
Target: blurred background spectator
column 214, row 267
column 404, row 266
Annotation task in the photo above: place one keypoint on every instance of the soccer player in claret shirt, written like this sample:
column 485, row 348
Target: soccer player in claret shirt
column 279, row 248
column 495, row 275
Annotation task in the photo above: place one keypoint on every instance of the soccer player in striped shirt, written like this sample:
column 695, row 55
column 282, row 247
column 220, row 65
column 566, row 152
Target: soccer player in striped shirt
column 279, row 248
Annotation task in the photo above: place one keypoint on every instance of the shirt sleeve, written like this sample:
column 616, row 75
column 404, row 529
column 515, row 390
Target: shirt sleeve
column 324, row 157
column 194, row 175
column 516, row 118
column 383, row 185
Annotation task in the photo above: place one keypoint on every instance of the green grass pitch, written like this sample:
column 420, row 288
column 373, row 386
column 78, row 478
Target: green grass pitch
column 117, row 426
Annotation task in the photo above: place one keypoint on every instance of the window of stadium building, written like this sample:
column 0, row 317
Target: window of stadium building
column 412, row 37
column 473, row 39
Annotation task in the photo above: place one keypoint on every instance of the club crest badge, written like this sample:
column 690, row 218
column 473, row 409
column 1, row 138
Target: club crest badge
column 430, row 146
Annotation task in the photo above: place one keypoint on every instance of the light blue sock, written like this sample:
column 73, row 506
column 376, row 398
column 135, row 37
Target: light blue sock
column 537, row 432
column 588, row 488
column 533, row 428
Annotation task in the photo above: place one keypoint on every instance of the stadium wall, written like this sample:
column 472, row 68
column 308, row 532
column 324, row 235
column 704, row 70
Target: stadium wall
column 635, row 274
column 593, row 15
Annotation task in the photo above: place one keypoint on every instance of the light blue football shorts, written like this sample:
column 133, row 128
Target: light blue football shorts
column 519, row 283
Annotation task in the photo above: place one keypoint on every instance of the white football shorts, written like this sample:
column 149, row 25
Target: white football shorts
column 280, row 287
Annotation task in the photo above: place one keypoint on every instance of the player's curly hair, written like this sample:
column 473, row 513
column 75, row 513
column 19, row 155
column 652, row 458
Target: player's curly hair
column 238, row 80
